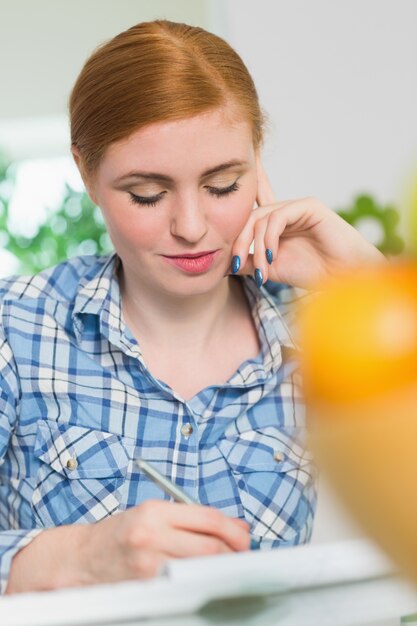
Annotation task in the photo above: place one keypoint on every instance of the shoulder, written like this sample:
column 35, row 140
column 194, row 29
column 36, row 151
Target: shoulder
column 59, row 283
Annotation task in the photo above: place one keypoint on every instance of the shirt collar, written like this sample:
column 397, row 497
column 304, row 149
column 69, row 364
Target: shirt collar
column 276, row 340
column 97, row 291
column 100, row 295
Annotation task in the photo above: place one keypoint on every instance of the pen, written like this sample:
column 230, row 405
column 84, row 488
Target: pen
column 173, row 490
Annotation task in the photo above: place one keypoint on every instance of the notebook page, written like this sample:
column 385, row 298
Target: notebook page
column 287, row 568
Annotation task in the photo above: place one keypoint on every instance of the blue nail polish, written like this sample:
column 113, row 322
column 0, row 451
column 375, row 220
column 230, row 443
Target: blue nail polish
column 254, row 543
column 258, row 277
column 235, row 265
column 269, row 256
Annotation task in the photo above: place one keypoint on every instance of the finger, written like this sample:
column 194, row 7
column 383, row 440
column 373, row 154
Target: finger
column 259, row 257
column 277, row 222
column 242, row 244
column 177, row 543
column 255, row 230
column 144, row 563
column 265, row 194
column 241, row 522
column 209, row 521
column 248, row 268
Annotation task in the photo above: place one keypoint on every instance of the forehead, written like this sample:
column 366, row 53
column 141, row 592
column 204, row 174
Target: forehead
column 185, row 146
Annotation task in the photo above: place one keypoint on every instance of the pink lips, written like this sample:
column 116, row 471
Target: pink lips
column 193, row 263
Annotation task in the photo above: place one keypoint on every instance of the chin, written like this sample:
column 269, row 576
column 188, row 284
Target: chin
column 194, row 285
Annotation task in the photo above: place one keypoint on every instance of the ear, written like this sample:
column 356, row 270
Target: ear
column 86, row 179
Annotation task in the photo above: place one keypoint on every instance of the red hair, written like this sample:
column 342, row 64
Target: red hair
column 156, row 71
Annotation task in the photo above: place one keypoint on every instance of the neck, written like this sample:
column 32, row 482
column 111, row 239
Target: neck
column 186, row 323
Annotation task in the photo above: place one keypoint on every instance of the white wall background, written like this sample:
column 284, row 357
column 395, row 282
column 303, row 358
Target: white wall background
column 338, row 80
column 43, row 45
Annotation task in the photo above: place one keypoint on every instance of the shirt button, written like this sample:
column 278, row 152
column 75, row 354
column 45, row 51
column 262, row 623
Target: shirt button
column 187, row 429
column 278, row 456
column 72, row 464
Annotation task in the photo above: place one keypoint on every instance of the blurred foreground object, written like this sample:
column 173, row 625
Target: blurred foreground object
column 359, row 345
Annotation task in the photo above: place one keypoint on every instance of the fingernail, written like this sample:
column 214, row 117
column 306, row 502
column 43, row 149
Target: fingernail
column 269, row 256
column 235, row 265
column 255, row 544
column 258, row 277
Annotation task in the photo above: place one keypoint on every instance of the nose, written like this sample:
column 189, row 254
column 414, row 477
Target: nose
column 188, row 220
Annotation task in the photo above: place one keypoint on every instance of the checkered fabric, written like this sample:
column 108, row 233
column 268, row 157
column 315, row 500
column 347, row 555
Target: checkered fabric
column 78, row 405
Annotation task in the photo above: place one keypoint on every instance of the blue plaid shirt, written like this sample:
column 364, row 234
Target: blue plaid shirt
column 78, row 404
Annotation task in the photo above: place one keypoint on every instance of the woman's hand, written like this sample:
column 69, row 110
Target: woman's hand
column 297, row 242
column 130, row 545
column 135, row 543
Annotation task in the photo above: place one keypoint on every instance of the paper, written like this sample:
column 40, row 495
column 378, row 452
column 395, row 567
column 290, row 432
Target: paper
column 286, row 569
column 189, row 584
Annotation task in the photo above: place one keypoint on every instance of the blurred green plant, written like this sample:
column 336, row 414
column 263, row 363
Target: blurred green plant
column 75, row 227
column 387, row 219
column 412, row 219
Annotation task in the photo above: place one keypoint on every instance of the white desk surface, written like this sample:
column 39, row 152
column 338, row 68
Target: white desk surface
column 336, row 584
column 379, row 601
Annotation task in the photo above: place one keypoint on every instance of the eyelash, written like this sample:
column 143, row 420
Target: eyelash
column 153, row 200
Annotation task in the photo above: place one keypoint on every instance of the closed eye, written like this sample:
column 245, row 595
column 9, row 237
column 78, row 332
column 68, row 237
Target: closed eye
column 153, row 200
column 223, row 191
column 145, row 200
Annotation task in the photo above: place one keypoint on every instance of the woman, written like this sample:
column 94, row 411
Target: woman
column 174, row 349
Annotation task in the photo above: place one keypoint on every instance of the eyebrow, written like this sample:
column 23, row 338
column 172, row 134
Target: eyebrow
column 168, row 179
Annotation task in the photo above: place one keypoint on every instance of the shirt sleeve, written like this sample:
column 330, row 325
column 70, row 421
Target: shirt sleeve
column 11, row 540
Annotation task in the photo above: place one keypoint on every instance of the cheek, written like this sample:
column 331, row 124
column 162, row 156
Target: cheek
column 235, row 216
column 130, row 226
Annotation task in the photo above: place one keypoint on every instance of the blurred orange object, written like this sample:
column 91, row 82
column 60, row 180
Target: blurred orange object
column 359, row 358
column 359, row 336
